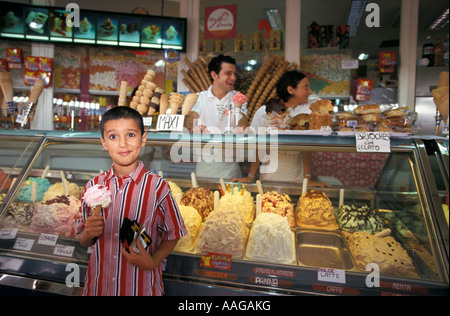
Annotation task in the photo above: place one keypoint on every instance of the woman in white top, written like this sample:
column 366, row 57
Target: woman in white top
column 293, row 88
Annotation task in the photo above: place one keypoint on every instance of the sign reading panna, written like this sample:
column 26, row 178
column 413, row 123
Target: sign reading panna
column 220, row 22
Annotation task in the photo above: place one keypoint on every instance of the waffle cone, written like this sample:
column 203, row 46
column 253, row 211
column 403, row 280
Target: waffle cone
column 163, row 104
column 188, row 103
column 97, row 210
column 6, row 85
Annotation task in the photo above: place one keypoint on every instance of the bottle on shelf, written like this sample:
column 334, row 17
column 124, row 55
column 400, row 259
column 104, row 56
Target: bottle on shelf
column 428, row 51
column 438, row 52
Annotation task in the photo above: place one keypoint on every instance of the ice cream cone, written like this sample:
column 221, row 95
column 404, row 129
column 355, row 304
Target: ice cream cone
column 8, row 93
column 97, row 210
column 147, row 93
column 163, row 103
column 188, row 103
column 123, row 93
column 34, row 96
column 175, row 100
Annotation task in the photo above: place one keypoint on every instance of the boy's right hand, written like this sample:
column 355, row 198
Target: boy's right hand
column 93, row 226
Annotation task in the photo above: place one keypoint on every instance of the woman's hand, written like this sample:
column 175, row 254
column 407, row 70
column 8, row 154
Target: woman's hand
column 247, row 179
column 318, row 184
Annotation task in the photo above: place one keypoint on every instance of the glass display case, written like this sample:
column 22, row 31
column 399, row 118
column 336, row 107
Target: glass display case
column 399, row 248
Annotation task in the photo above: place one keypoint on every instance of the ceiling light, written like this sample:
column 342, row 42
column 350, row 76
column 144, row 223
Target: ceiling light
column 440, row 22
column 363, row 56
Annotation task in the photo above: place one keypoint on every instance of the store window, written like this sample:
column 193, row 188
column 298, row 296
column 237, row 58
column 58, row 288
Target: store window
column 258, row 33
column 350, row 50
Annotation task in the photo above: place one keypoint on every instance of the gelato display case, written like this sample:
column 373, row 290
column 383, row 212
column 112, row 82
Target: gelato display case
column 380, row 227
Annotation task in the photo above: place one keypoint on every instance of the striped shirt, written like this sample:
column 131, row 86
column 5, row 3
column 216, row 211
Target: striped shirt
column 139, row 196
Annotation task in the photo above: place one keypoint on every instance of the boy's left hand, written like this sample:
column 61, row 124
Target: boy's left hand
column 142, row 260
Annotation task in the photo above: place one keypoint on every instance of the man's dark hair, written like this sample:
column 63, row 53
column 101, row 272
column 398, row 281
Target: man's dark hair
column 216, row 63
column 288, row 79
column 122, row 112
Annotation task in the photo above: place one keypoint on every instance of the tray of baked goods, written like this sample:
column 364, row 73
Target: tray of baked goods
column 304, row 229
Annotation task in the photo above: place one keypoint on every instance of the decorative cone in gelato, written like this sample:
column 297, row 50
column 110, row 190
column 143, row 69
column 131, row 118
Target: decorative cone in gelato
column 314, row 210
column 97, row 197
column 271, row 239
column 242, row 199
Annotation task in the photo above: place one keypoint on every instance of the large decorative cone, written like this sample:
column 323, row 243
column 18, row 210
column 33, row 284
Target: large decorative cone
column 188, row 103
column 123, row 93
column 8, row 93
column 34, row 96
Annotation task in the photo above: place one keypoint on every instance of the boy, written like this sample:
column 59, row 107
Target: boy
column 135, row 194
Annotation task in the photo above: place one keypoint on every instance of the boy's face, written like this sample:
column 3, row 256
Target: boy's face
column 123, row 140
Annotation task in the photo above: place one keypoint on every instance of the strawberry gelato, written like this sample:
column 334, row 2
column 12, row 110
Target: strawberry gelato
column 97, row 197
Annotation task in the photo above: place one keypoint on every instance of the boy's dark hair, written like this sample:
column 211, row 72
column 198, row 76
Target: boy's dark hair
column 122, row 112
column 288, row 79
column 216, row 63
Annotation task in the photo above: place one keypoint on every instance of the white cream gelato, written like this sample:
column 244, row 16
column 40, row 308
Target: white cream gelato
column 271, row 239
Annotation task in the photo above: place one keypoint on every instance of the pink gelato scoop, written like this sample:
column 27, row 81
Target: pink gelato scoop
column 97, row 195
column 239, row 99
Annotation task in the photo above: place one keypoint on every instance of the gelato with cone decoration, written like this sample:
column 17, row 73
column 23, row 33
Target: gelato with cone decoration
column 241, row 199
column 188, row 103
column 97, row 197
column 314, row 210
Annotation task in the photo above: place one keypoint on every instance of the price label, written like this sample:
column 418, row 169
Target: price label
column 350, row 64
column 373, row 142
column 331, row 275
column 169, row 122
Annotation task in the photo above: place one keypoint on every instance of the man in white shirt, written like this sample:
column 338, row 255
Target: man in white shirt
column 215, row 113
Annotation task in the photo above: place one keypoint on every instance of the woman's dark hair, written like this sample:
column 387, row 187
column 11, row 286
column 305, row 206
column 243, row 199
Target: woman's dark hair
column 122, row 112
column 275, row 105
column 288, row 79
column 216, row 63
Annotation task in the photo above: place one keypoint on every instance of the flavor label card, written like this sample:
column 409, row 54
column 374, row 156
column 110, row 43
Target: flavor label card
column 215, row 261
column 331, row 275
column 23, row 244
column 47, row 239
column 62, row 250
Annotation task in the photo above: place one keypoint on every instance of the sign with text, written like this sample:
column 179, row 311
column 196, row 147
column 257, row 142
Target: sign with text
column 169, row 122
column 373, row 142
column 220, row 22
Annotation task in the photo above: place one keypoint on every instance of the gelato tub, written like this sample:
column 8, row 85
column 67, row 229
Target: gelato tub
column 323, row 250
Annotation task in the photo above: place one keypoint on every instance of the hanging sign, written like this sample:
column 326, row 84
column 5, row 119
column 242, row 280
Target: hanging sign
column 220, row 22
